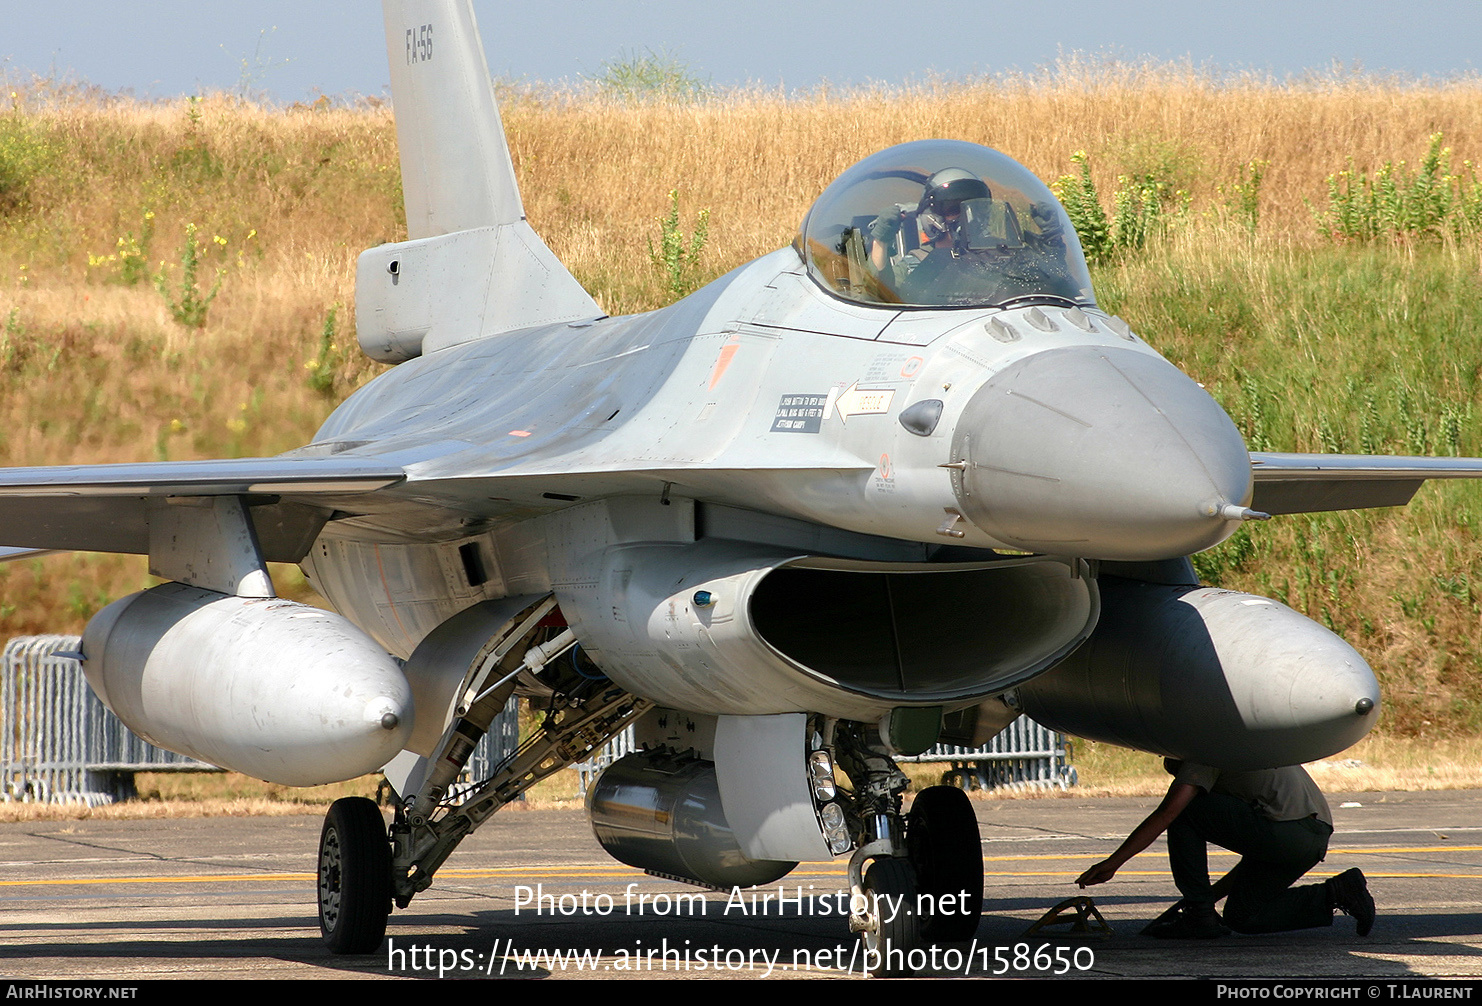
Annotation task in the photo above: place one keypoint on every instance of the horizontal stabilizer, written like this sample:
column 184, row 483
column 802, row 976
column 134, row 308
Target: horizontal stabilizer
column 10, row 554
column 417, row 297
column 1308, row 483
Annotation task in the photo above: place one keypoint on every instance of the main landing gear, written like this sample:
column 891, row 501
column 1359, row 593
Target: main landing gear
column 354, row 876
column 915, row 879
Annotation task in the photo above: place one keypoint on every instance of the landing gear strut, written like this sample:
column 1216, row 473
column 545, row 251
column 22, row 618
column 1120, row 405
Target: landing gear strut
column 354, row 877
column 881, row 881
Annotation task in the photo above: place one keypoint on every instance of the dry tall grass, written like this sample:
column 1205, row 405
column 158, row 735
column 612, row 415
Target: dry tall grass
column 95, row 370
column 595, row 175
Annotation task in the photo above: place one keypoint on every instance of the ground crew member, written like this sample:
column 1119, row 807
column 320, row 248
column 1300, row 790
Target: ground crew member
column 1279, row 823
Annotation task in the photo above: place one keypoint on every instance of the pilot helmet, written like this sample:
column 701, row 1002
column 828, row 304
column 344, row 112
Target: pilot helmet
column 944, row 193
column 949, row 187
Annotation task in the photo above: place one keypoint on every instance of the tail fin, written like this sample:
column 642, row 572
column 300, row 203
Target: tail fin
column 455, row 168
column 473, row 266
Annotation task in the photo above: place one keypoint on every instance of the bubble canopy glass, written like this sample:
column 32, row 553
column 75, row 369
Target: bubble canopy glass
column 942, row 223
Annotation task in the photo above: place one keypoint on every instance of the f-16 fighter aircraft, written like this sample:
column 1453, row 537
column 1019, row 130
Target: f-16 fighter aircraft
column 893, row 485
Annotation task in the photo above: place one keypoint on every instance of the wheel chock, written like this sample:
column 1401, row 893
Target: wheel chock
column 1078, row 914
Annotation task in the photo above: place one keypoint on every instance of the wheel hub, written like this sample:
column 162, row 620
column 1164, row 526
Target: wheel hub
column 329, row 879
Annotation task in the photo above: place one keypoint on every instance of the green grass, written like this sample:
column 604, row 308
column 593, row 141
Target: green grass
column 1352, row 350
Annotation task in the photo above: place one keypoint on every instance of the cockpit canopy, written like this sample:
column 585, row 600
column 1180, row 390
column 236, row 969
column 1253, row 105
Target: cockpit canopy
column 942, row 223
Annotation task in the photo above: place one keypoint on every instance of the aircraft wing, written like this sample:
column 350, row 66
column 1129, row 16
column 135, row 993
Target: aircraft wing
column 1307, row 483
column 105, row 508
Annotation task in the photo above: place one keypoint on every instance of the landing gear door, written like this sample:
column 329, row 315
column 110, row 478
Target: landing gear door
column 761, row 765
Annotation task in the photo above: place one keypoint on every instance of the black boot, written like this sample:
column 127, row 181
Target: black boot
column 1349, row 893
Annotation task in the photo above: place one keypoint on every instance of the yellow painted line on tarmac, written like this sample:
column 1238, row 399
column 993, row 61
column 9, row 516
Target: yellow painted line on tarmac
column 1225, row 852
column 472, row 873
column 198, row 879
column 807, row 870
column 1397, row 851
column 817, row 870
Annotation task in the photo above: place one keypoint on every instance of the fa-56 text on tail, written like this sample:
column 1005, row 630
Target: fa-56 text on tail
column 894, row 484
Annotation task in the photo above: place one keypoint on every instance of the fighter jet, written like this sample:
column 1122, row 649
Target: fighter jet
column 895, row 484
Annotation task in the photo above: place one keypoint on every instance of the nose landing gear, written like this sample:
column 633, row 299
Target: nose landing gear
column 917, row 880
column 946, row 853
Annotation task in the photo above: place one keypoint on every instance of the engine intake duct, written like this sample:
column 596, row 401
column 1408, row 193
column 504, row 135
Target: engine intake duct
column 731, row 628
column 661, row 812
column 920, row 634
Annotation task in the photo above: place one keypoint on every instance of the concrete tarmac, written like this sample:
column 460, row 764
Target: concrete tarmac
column 235, row 898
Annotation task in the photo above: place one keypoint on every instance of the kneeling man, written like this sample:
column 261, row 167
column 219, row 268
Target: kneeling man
column 1279, row 823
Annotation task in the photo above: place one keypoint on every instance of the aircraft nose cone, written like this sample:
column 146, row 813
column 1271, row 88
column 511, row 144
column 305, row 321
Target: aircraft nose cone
column 1099, row 452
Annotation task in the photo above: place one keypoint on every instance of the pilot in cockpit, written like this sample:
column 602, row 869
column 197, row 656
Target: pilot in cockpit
column 959, row 243
column 937, row 220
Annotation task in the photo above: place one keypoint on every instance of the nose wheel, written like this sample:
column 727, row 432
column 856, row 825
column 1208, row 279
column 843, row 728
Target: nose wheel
column 946, row 853
column 354, row 877
column 891, row 929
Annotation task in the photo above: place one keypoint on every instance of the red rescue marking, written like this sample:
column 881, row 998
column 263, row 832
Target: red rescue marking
column 911, row 366
column 723, row 361
column 519, row 433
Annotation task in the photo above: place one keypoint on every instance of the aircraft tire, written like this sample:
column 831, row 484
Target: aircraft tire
column 354, row 877
column 946, row 853
column 888, row 948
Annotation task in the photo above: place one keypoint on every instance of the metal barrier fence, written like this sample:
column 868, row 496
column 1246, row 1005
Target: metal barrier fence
column 495, row 747
column 588, row 771
column 60, row 744
column 1026, row 755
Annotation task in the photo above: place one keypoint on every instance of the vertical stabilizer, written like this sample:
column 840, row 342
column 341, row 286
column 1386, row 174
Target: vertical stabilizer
column 472, row 267
column 455, row 168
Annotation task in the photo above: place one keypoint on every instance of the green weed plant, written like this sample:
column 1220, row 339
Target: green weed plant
column 1244, row 194
column 26, row 155
column 12, row 342
column 651, row 76
column 188, row 304
column 129, row 259
column 1396, row 204
column 677, row 259
column 323, row 368
column 1142, row 206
